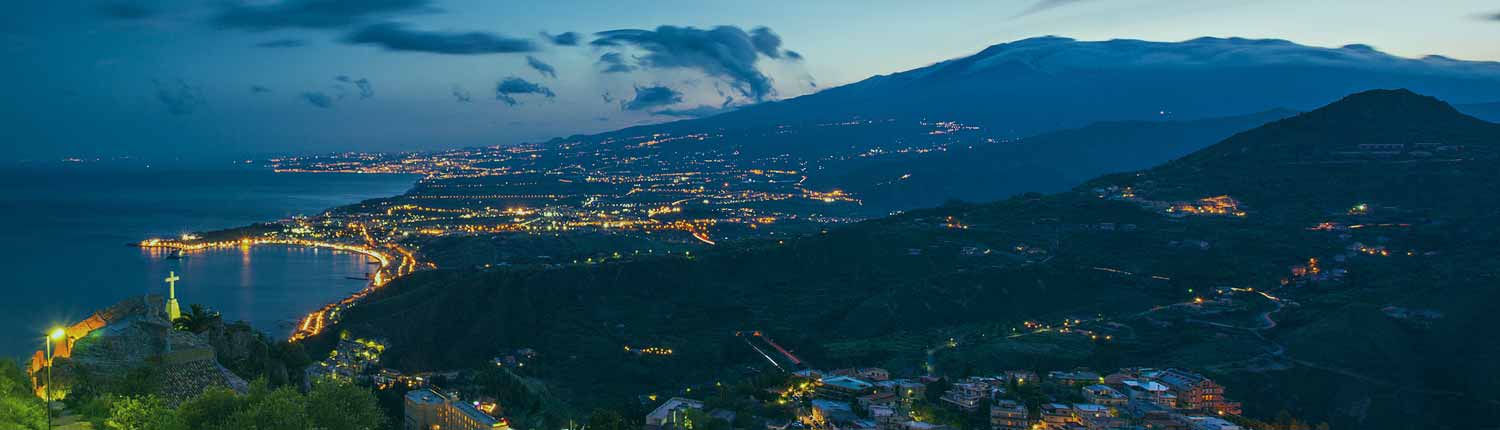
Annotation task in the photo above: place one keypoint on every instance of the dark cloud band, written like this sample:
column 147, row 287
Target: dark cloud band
column 647, row 98
column 396, row 37
column 510, row 87
column 282, row 43
column 564, row 39
column 541, row 67
column 310, row 13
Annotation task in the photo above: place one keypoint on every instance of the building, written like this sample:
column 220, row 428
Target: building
column 1019, row 377
column 1076, row 377
column 428, row 410
column 1146, row 396
column 1101, row 394
column 885, row 417
column 1057, row 415
column 828, row 412
column 1198, row 393
column 1162, row 420
column 670, row 414
column 843, row 388
column 1008, row 415
column 969, row 394
column 1211, row 423
column 873, row 374
column 1096, row 417
column 882, row 398
column 348, row 361
column 918, row 425
column 906, row 389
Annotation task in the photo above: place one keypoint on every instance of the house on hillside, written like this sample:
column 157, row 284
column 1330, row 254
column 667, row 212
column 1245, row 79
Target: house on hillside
column 1196, row 392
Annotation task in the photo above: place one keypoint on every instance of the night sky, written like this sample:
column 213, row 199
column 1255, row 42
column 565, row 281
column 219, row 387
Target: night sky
column 171, row 78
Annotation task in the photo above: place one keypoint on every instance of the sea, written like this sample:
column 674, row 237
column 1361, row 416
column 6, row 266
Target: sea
column 64, row 231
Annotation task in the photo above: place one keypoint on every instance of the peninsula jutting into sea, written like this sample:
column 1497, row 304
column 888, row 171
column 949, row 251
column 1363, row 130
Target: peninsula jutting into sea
column 452, row 214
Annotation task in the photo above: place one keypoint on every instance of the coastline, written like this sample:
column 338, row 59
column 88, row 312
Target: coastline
column 312, row 323
column 393, row 260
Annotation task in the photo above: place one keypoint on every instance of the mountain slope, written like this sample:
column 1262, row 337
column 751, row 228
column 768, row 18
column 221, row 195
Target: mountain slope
column 1383, row 332
column 1048, row 83
column 1046, row 163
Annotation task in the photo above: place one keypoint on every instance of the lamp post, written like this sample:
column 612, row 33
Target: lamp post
column 57, row 334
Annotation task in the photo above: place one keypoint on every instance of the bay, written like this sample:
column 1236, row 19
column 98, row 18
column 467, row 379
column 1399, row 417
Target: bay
column 64, row 230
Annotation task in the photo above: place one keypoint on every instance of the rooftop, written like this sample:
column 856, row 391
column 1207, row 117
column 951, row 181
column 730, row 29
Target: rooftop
column 848, row 383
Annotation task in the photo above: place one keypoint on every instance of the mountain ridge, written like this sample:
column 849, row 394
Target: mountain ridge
column 1147, row 77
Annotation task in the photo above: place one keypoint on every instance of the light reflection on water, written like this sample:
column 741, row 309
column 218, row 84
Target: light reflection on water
column 66, row 229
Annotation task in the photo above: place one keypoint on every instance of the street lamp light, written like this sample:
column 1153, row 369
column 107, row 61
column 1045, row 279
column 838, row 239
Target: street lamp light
column 56, row 335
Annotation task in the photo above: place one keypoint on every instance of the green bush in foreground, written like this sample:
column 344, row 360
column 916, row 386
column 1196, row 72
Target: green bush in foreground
column 329, row 406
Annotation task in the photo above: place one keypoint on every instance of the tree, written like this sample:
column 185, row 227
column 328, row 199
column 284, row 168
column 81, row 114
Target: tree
column 208, row 408
column 21, row 413
column 936, row 389
column 697, row 419
column 19, row 409
column 264, row 409
column 142, row 413
column 197, row 319
column 334, row 405
column 607, row 419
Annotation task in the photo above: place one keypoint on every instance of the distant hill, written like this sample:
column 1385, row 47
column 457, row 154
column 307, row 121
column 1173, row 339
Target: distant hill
column 1387, row 195
column 1390, row 146
column 1046, row 163
column 1029, row 86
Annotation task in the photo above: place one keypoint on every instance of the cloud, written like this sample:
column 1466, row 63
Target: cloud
column 608, row 98
column 766, row 42
column 178, row 97
column 507, row 89
column 365, row 89
column 792, row 55
column 724, row 52
column 1493, row 16
column 543, row 68
column 647, row 98
column 694, row 112
column 461, row 94
column 126, row 10
column 282, row 43
column 396, row 37
column 323, row 14
column 614, row 62
column 318, row 98
column 565, row 39
column 257, row 89
column 1046, row 5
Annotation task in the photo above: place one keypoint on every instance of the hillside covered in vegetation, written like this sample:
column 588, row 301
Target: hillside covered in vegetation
column 1337, row 264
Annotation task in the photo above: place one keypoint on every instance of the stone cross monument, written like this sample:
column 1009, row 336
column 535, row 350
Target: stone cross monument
column 173, row 310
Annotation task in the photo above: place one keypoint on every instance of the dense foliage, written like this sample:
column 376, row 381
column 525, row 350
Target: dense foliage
column 329, row 406
column 19, row 408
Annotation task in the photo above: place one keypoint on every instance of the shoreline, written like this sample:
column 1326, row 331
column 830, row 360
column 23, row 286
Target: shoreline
column 315, row 322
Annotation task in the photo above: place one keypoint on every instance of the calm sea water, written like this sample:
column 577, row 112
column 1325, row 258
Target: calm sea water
column 63, row 232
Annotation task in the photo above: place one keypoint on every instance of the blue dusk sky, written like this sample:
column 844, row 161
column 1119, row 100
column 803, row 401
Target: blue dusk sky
column 176, row 78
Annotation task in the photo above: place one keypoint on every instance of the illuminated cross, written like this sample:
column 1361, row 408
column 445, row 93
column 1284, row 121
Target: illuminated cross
column 174, row 311
column 172, row 283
